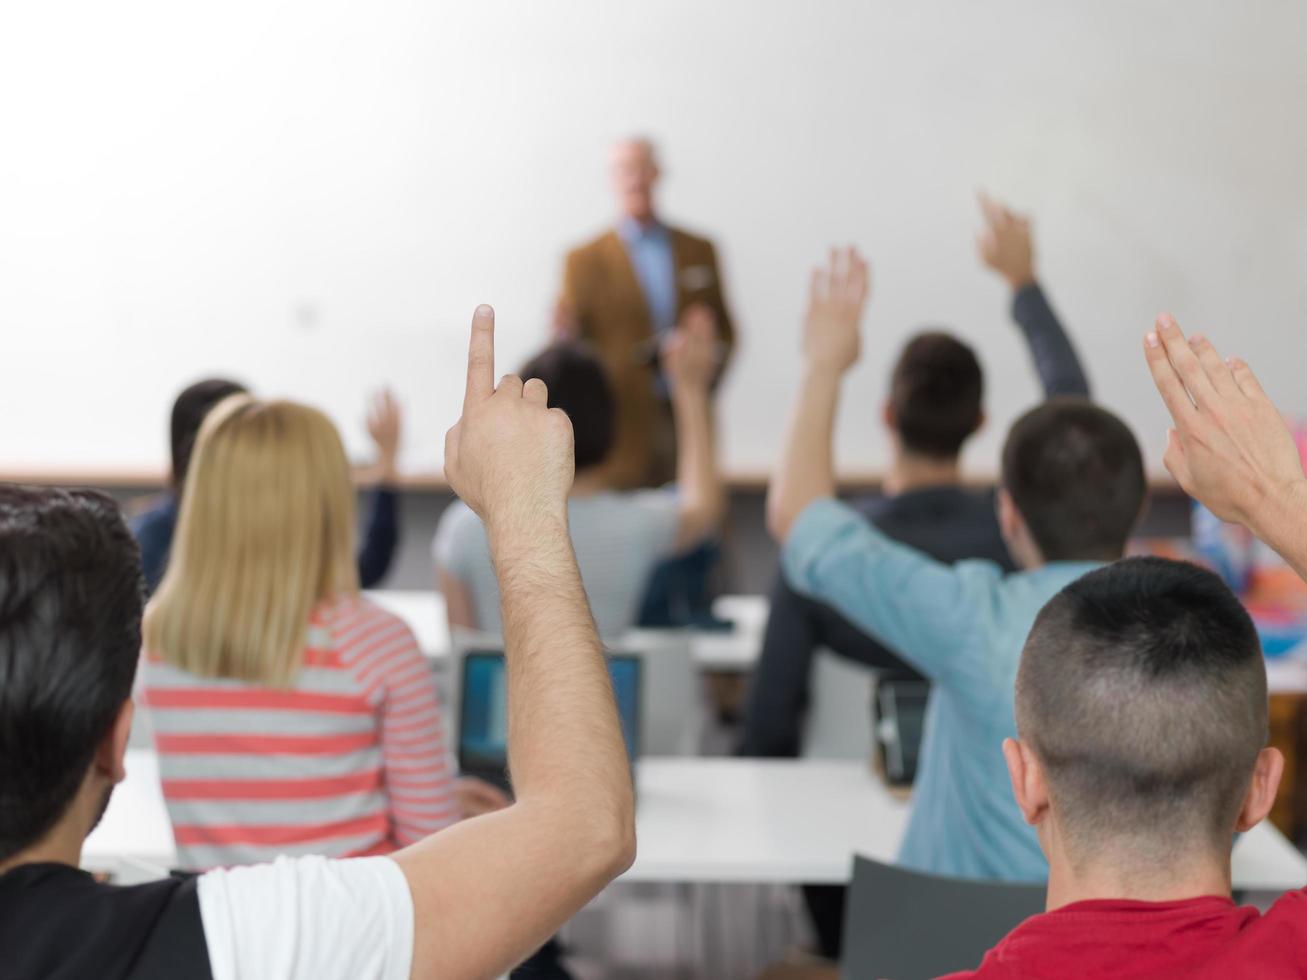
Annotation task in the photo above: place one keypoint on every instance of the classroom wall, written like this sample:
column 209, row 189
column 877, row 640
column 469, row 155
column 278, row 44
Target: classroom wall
column 312, row 196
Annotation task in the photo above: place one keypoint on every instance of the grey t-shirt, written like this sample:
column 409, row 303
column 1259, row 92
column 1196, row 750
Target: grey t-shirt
column 619, row 538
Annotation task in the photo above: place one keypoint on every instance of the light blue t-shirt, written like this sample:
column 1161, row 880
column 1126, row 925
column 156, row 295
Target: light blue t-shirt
column 963, row 626
column 619, row 537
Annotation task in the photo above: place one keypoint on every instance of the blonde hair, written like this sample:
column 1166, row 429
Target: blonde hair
column 266, row 532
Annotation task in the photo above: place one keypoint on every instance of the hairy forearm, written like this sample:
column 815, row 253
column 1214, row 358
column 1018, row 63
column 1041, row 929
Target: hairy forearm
column 806, row 470
column 489, row 890
column 564, row 738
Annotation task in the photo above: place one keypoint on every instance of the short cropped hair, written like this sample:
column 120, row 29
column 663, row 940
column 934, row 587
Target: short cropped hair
column 188, row 414
column 1142, row 691
column 579, row 385
column 1075, row 472
column 70, row 636
column 936, row 391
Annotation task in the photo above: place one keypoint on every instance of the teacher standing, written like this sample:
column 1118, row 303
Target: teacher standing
column 623, row 294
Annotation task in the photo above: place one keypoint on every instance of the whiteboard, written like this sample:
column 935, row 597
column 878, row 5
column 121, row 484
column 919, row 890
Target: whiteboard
column 313, row 196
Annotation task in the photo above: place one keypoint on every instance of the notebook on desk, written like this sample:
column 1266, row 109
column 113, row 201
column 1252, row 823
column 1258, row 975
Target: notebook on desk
column 483, row 712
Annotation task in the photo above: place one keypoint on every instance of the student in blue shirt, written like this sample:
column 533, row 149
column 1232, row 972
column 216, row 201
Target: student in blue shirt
column 153, row 528
column 1072, row 488
column 933, row 406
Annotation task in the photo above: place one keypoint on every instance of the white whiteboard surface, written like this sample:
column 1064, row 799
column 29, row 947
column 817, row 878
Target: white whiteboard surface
column 313, row 196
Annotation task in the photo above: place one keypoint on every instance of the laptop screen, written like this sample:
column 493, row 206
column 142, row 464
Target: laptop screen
column 483, row 717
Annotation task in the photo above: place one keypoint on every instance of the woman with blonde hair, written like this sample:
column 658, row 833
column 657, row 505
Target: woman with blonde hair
column 290, row 714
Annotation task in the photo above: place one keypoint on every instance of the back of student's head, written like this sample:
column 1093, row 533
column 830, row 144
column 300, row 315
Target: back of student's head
column 1075, row 473
column 936, row 391
column 265, row 532
column 70, row 636
column 188, row 413
column 1142, row 691
column 579, row 385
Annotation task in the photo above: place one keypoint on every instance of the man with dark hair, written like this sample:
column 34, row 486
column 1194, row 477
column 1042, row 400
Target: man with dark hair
column 154, row 527
column 961, row 625
column 70, row 603
column 1141, row 707
column 579, row 385
column 937, row 388
column 1072, row 514
column 620, row 536
column 935, row 404
column 452, row 905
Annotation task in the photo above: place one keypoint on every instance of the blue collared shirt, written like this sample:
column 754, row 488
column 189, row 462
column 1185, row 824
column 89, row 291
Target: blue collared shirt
column 963, row 626
column 649, row 248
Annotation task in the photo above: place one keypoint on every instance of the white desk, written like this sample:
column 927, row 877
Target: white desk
column 706, row 820
column 751, row 820
column 760, row 821
column 424, row 612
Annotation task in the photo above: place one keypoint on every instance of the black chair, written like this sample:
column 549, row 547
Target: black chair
column 904, row 925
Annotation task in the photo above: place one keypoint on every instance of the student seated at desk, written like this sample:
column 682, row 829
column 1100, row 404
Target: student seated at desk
column 933, row 408
column 154, row 527
column 471, row 901
column 1072, row 488
column 619, row 536
column 1141, row 706
column 290, row 715
column 1142, row 713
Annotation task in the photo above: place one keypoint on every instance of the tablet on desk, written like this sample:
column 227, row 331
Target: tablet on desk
column 483, row 715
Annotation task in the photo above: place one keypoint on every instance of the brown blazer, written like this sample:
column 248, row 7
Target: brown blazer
column 603, row 298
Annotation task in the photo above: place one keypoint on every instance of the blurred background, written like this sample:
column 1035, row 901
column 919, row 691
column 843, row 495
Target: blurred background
column 312, row 197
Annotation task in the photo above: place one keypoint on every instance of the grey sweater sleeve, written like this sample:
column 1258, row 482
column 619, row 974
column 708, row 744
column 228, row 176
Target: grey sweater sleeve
column 1056, row 361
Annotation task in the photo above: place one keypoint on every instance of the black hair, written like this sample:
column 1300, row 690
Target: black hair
column 70, row 636
column 579, row 385
column 1142, row 690
column 188, row 413
column 1075, row 472
column 936, row 391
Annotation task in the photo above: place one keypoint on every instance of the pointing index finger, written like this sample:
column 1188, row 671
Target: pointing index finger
column 481, row 356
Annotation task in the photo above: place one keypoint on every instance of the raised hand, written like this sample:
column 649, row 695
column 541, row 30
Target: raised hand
column 806, row 469
column 691, row 355
column 510, row 455
column 1230, row 447
column 385, row 424
column 837, row 297
column 1005, row 244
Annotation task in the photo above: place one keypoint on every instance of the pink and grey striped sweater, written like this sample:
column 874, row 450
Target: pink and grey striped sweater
column 350, row 761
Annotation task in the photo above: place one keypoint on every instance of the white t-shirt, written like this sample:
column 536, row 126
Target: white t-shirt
column 619, row 537
column 309, row 918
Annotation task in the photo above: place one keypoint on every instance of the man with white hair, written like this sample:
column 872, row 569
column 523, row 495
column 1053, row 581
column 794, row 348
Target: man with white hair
column 627, row 290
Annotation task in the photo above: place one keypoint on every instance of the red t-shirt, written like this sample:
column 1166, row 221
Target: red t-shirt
column 1201, row 937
